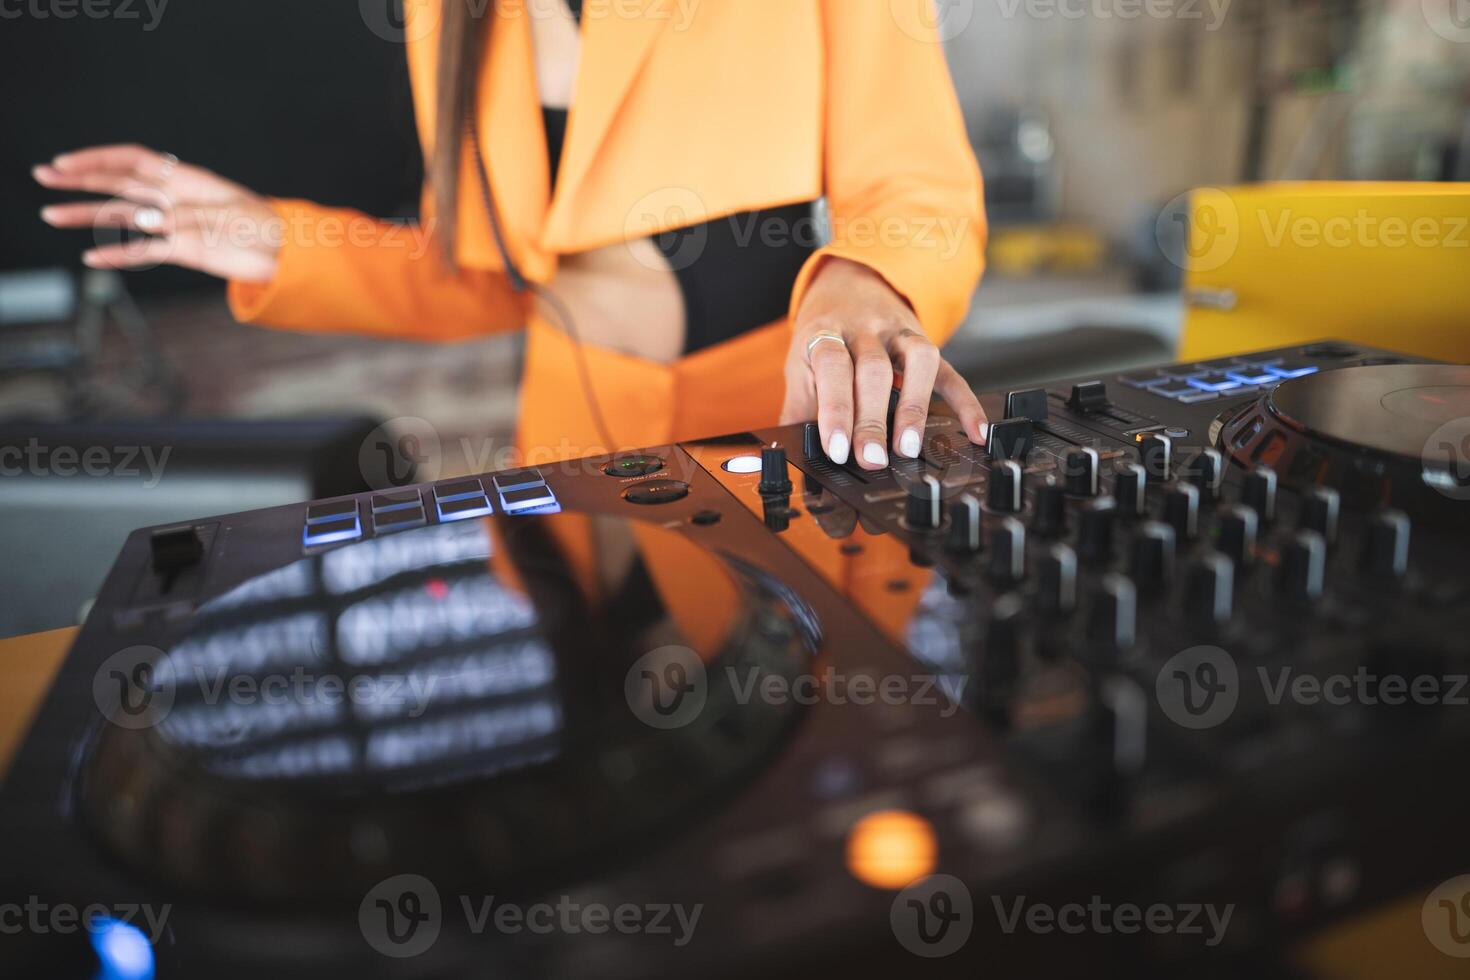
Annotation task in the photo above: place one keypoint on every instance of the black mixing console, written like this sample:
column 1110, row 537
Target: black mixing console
column 1189, row 642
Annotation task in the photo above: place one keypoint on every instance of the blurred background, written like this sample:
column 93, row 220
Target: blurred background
column 1092, row 120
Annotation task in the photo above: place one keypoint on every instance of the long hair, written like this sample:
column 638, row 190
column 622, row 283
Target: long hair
column 464, row 27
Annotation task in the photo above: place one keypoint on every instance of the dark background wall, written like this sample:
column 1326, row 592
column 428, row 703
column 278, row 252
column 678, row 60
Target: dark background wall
column 297, row 98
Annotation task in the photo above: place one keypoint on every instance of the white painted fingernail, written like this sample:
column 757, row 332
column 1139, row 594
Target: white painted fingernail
column 910, row 443
column 985, row 431
column 873, row 453
column 148, row 219
column 837, row 448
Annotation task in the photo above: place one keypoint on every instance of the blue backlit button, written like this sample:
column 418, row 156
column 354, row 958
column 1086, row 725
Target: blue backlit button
column 332, row 530
column 1214, row 382
column 527, row 498
column 1143, row 379
column 1292, row 369
column 398, row 519
column 331, row 510
column 458, row 491
column 398, row 500
column 1174, row 389
column 1260, row 362
column 1196, row 396
column 518, row 480
column 463, row 508
column 1252, row 376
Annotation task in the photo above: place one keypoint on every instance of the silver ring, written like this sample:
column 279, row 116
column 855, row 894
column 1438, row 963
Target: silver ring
column 811, row 345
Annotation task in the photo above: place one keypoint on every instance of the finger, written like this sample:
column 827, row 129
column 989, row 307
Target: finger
column 832, row 373
column 920, row 362
column 874, row 375
column 144, row 253
column 957, row 392
column 110, row 214
column 113, row 185
column 126, row 159
column 800, row 404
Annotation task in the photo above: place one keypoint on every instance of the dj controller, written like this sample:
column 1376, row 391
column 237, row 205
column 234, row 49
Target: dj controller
column 1180, row 648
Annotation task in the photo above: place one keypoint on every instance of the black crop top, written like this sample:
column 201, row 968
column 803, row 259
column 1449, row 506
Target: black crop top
column 735, row 273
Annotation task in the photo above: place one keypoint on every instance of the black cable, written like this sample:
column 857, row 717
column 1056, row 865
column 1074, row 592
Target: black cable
column 521, row 284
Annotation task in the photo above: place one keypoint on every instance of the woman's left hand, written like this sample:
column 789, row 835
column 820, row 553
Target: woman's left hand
column 844, row 383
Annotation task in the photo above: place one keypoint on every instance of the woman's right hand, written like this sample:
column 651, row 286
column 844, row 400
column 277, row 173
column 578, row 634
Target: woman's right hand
column 195, row 218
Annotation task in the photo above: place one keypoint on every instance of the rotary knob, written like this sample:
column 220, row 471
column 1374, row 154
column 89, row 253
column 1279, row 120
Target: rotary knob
column 1095, row 535
column 1156, row 454
column 1112, row 620
column 1386, row 545
column 1239, row 527
column 1153, row 555
column 1207, row 471
column 1056, row 580
column 1209, row 591
column 1321, row 507
column 1008, row 552
column 964, row 526
column 1082, row 466
column 1128, row 487
column 925, row 508
column 1304, row 566
column 1005, row 491
column 774, row 478
column 1051, row 510
column 1181, row 510
column 1259, row 493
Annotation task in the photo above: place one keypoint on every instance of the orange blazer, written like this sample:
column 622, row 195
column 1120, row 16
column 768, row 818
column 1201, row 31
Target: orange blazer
column 684, row 111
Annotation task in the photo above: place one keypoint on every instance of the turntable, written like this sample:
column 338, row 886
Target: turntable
column 804, row 700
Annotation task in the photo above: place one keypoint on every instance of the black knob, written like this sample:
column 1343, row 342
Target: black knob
column 964, row 525
column 1112, row 619
column 1209, row 591
column 1123, row 724
column 1207, row 471
column 1128, row 487
column 1304, row 566
column 1008, row 552
column 1320, row 509
column 1090, row 396
column 1031, row 403
column 1095, row 535
column 1239, row 527
column 774, row 478
column 1259, row 493
column 1000, row 660
column 1010, row 439
column 1056, row 580
column 1082, row 465
column 811, row 441
column 777, row 513
column 925, row 508
column 1153, row 555
column 1181, row 511
column 1051, row 510
column 1156, row 454
column 1004, row 495
column 1386, row 544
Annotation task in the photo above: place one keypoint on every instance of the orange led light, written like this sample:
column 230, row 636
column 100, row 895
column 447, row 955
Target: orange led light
column 891, row 849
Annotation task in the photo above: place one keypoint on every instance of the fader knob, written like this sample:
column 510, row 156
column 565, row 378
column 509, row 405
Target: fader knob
column 1051, row 510
column 1181, row 511
column 1081, row 466
column 1004, row 494
column 1386, row 544
column 1239, row 526
column 811, row 442
column 1056, row 580
column 1156, row 454
column 1128, row 487
column 1304, row 566
column 1259, row 493
column 1153, row 555
column 1209, row 591
column 924, row 510
column 1095, row 535
column 964, row 526
column 1321, row 507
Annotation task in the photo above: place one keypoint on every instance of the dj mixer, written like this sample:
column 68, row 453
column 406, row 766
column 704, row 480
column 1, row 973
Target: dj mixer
column 1140, row 651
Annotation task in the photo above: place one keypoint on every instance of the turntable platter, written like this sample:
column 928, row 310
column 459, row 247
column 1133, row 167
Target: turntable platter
column 484, row 701
column 1387, row 408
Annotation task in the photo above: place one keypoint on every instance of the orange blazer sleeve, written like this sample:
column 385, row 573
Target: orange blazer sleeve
column 901, row 180
column 343, row 271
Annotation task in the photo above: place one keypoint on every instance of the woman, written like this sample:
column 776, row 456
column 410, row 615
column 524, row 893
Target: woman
column 632, row 183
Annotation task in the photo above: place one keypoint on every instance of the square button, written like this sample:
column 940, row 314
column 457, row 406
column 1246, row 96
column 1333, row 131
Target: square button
column 399, row 518
column 1292, row 369
column 527, row 498
column 396, row 501
column 1174, row 389
column 459, row 491
column 1144, row 379
column 464, row 507
column 518, row 480
column 332, row 509
column 1260, row 362
column 1252, row 376
column 331, row 531
column 1214, row 382
column 1196, row 396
